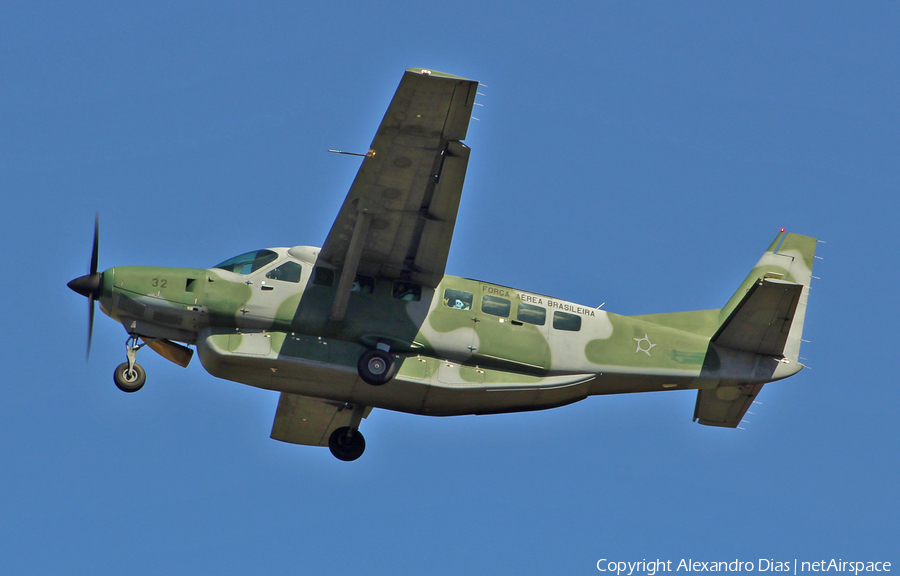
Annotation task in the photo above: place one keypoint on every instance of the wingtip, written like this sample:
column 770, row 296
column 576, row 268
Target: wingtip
column 436, row 74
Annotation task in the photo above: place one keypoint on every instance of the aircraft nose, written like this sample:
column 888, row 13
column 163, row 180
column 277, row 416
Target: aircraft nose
column 88, row 285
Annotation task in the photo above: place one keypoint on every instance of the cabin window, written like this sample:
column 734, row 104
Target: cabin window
column 249, row 262
column 531, row 314
column 287, row 272
column 566, row 321
column 495, row 306
column 363, row 284
column 459, row 299
column 323, row 276
column 407, row 291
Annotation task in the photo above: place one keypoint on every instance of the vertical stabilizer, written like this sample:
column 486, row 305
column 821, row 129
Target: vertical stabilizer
column 776, row 291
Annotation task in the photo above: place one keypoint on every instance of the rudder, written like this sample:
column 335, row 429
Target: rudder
column 765, row 315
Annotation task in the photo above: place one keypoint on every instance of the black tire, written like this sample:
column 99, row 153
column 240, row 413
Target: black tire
column 376, row 367
column 344, row 447
column 129, row 382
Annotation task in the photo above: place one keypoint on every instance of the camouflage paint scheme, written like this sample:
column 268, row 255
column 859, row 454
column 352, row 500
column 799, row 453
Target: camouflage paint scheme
column 294, row 337
column 453, row 361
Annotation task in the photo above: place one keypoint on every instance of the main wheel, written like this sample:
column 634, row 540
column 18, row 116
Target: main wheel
column 344, row 447
column 376, row 367
column 129, row 381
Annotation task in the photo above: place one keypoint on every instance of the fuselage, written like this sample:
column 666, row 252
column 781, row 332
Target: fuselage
column 263, row 319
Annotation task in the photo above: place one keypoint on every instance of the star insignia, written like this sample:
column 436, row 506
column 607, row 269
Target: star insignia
column 640, row 344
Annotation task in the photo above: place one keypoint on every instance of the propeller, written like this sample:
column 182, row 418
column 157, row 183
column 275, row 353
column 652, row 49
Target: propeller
column 90, row 285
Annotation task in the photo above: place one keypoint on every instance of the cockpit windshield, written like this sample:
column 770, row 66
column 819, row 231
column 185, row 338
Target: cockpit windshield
column 249, row 262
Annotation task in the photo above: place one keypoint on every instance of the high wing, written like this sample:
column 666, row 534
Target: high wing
column 309, row 421
column 398, row 217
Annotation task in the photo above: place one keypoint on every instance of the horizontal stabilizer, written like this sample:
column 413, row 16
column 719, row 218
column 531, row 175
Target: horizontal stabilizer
column 724, row 406
column 761, row 321
column 309, row 421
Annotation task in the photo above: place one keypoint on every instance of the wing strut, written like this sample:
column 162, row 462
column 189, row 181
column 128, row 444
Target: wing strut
column 348, row 275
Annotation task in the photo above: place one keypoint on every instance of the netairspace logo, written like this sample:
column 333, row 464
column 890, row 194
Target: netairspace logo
column 652, row 567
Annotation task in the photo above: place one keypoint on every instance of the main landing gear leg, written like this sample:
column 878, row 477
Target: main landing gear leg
column 347, row 442
column 130, row 376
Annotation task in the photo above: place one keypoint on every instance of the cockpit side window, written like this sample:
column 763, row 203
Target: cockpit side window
column 249, row 262
column 287, row 272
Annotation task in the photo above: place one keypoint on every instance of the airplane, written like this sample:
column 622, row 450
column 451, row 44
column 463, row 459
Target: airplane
column 371, row 320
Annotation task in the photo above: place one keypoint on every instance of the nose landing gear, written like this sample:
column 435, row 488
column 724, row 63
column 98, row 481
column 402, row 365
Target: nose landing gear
column 130, row 376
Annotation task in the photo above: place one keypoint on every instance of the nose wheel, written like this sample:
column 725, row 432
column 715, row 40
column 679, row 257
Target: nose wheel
column 130, row 376
column 129, row 379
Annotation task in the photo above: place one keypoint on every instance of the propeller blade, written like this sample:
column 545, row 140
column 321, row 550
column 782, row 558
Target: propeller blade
column 90, row 285
column 96, row 245
column 87, row 356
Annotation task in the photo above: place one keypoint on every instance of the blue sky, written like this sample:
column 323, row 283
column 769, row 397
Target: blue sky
column 637, row 154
